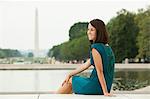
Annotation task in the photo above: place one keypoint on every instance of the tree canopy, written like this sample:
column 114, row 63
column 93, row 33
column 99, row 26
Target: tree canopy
column 129, row 37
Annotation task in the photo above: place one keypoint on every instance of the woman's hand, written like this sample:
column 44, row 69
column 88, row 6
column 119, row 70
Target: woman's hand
column 66, row 80
column 107, row 94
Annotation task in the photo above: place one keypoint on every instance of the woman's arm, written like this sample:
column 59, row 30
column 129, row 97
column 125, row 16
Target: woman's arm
column 81, row 68
column 99, row 67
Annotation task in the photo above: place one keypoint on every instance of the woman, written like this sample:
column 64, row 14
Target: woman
column 101, row 57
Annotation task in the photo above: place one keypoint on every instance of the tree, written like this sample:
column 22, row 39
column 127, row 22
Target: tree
column 30, row 54
column 9, row 53
column 74, row 49
column 123, row 32
column 77, row 49
column 77, row 30
column 2, row 54
column 143, row 39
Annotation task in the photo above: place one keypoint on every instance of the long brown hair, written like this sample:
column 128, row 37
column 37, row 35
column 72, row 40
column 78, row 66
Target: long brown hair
column 102, row 35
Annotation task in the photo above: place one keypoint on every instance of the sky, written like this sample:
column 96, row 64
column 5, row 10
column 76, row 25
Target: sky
column 17, row 19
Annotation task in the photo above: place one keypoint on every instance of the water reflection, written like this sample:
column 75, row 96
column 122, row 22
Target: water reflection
column 131, row 79
column 48, row 80
column 31, row 80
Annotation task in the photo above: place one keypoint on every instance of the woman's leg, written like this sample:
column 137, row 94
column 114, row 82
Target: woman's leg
column 66, row 88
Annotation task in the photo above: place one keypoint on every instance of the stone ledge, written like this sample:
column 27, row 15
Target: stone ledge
column 64, row 66
column 74, row 96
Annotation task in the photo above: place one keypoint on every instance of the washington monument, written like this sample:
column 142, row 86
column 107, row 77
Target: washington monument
column 36, row 35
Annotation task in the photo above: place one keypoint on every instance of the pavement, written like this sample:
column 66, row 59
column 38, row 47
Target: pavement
column 73, row 96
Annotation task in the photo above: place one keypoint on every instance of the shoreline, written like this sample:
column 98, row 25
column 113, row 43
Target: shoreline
column 66, row 66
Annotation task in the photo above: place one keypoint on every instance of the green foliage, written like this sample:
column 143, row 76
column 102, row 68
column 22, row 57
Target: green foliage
column 55, row 52
column 123, row 32
column 4, row 53
column 78, row 30
column 130, row 84
column 30, row 54
column 129, row 35
column 143, row 39
column 76, row 48
column 131, row 80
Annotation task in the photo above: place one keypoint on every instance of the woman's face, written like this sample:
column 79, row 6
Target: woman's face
column 91, row 32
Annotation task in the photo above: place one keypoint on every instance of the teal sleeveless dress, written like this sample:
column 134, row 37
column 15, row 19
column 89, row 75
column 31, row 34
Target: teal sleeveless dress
column 91, row 85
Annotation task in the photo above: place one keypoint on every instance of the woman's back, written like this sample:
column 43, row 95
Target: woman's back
column 108, row 61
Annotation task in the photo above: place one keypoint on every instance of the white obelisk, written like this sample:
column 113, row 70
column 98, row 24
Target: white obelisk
column 36, row 35
column 36, row 48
